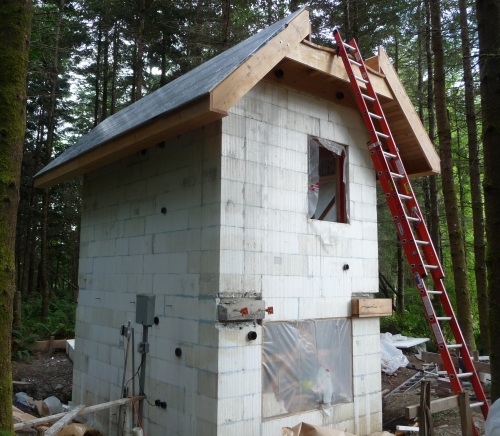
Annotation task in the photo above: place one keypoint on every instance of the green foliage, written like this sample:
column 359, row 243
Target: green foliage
column 59, row 323
column 412, row 322
column 21, row 343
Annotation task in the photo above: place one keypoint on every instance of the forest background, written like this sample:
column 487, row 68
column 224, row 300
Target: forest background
column 88, row 59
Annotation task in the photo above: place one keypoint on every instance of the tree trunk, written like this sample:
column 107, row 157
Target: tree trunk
column 488, row 17
column 105, row 77
column 475, row 183
column 51, row 130
column 97, row 79
column 116, row 62
column 431, row 120
column 400, row 307
column 139, row 61
column 15, row 29
column 455, row 231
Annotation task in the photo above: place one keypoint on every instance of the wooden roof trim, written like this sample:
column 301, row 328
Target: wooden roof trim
column 327, row 61
column 408, row 109
column 239, row 82
column 193, row 115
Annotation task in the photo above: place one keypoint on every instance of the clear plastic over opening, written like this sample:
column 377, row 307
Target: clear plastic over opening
column 327, row 180
column 306, row 365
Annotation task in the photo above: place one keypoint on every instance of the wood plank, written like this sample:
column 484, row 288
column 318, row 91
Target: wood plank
column 90, row 409
column 57, row 427
column 371, row 307
column 239, row 82
column 414, row 124
column 332, row 65
column 439, row 405
column 465, row 413
column 44, row 345
column 191, row 116
column 436, row 358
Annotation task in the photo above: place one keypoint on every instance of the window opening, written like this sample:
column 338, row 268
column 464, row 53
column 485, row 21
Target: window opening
column 327, row 180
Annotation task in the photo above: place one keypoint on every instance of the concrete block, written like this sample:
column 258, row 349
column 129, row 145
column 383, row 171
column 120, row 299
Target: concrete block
column 207, row 408
column 166, row 262
column 233, row 135
column 134, row 227
column 173, row 220
column 202, row 428
column 233, row 169
column 230, row 410
column 283, row 308
column 307, row 105
column 208, row 384
column 240, row 309
column 238, row 384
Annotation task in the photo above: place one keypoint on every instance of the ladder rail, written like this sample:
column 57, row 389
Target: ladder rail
column 409, row 221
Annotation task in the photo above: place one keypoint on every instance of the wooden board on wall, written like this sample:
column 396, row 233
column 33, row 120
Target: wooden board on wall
column 366, row 307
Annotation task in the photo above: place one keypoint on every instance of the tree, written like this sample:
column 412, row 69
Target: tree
column 15, row 29
column 475, row 181
column 455, row 230
column 488, row 17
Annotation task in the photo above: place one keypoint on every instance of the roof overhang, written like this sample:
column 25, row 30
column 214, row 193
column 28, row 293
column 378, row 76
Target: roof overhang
column 307, row 67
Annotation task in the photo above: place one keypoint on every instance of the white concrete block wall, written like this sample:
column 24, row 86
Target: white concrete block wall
column 128, row 246
column 236, row 223
column 296, row 263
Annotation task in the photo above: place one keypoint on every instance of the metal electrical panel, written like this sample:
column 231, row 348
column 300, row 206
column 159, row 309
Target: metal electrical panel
column 145, row 309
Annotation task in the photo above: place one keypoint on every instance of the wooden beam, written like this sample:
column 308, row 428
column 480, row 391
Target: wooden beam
column 414, row 124
column 189, row 117
column 370, row 307
column 57, row 427
column 439, row 405
column 89, row 409
column 239, row 82
column 330, row 64
column 58, row 344
column 436, row 358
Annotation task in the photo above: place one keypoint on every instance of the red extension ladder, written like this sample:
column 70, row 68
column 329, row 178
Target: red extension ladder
column 413, row 234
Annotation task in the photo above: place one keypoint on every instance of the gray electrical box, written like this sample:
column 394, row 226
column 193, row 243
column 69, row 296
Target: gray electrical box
column 145, row 309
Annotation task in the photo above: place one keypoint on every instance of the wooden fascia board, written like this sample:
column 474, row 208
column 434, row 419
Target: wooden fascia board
column 327, row 61
column 180, row 121
column 239, row 82
column 409, row 112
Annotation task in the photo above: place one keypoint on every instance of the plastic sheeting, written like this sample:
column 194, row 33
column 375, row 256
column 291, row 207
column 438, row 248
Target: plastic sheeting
column 306, row 364
column 391, row 358
column 321, row 194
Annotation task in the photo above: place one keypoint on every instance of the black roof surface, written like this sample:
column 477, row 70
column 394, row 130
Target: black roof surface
column 192, row 85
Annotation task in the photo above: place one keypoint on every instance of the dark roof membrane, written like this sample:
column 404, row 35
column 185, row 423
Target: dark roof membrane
column 192, row 85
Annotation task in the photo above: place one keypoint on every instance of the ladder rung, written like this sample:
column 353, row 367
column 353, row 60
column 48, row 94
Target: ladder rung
column 383, row 135
column 478, row 404
column 435, row 292
column 350, row 47
column 443, row 318
column 414, row 219
column 352, row 61
column 465, row 374
column 454, row 346
column 405, row 197
column 367, row 97
column 418, row 242
column 378, row 117
column 431, row 266
column 360, row 79
column 397, row 175
column 389, row 155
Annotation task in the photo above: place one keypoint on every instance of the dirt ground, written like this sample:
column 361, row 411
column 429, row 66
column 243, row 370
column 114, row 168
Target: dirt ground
column 48, row 375
column 445, row 423
column 45, row 375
